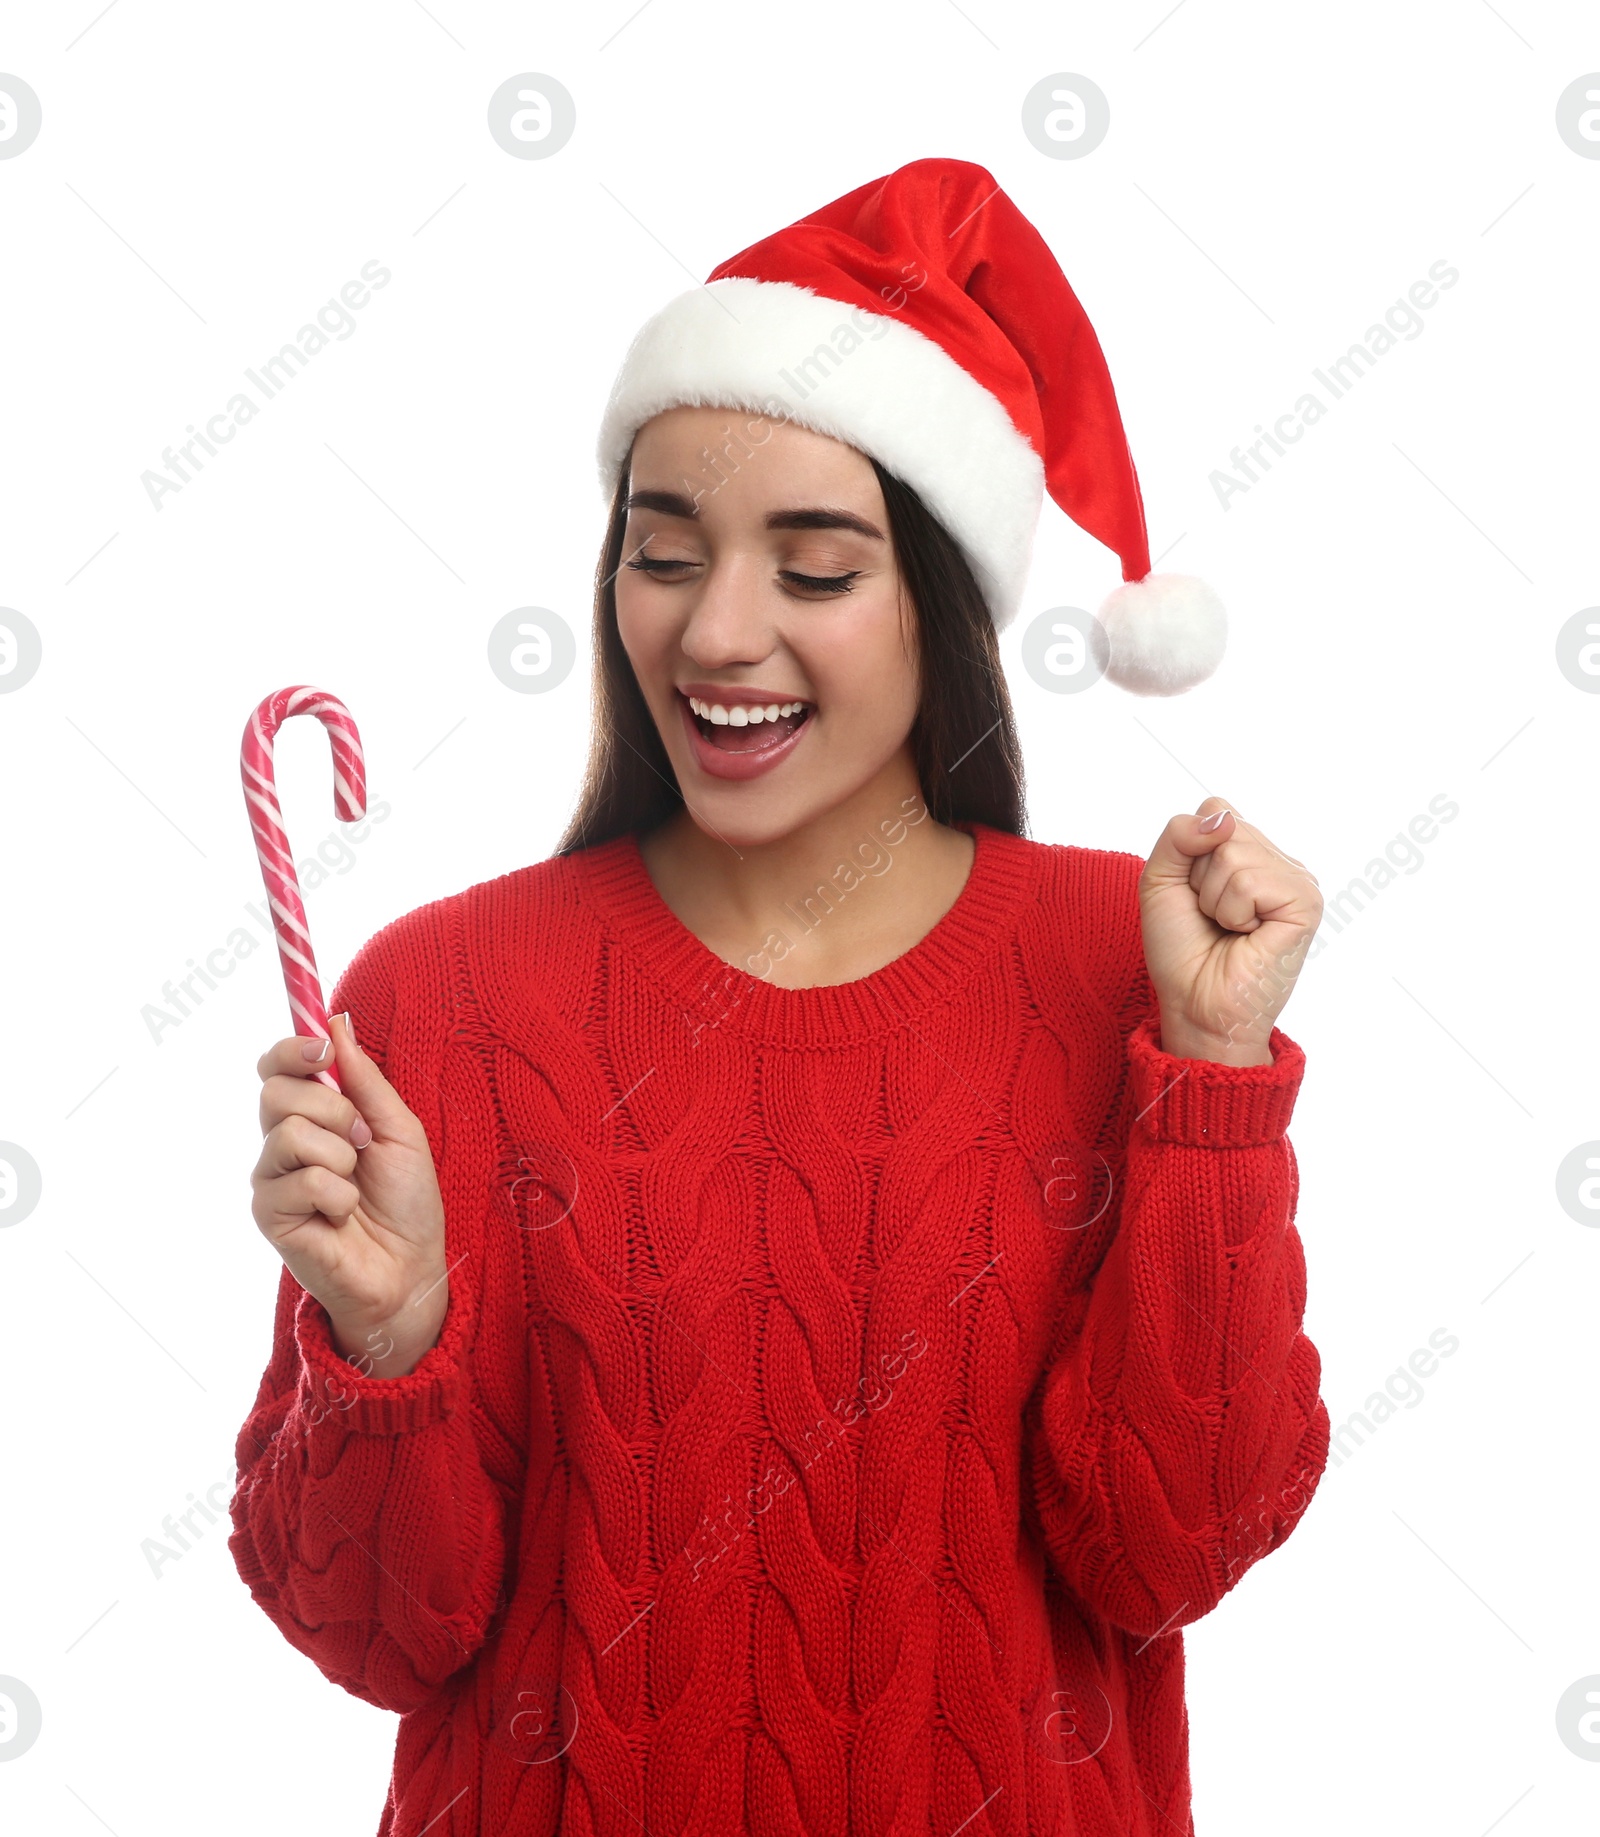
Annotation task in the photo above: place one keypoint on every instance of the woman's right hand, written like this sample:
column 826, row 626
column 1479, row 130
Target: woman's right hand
column 346, row 1192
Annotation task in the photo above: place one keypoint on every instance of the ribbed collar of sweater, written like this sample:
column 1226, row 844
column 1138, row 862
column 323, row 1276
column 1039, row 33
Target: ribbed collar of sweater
column 971, row 936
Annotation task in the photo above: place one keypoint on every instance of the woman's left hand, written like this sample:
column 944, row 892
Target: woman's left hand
column 1227, row 920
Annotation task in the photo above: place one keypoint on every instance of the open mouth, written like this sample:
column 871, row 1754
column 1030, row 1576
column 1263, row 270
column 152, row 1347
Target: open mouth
column 748, row 728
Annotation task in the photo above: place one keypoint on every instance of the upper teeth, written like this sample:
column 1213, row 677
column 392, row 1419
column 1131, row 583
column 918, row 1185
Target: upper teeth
column 743, row 716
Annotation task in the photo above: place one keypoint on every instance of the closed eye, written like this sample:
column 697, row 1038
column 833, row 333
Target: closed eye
column 833, row 583
column 819, row 583
column 651, row 566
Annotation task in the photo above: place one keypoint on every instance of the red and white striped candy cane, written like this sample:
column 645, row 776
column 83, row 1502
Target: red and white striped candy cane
column 272, row 843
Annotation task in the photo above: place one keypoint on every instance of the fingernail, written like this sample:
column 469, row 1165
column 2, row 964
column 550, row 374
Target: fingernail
column 349, row 1026
column 1207, row 824
column 316, row 1050
column 360, row 1134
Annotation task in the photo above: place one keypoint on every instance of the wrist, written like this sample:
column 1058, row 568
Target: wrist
column 1239, row 1048
column 392, row 1347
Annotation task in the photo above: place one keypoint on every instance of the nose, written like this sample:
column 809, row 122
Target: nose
column 730, row 614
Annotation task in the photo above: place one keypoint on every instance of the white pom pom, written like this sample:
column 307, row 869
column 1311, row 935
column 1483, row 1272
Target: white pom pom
column 1167, row 633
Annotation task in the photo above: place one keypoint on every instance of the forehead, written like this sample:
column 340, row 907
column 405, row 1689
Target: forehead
column 737, row 459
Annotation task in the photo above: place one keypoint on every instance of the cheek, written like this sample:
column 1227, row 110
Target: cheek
column 862, row 663
column 641, row 625
column 878, row 655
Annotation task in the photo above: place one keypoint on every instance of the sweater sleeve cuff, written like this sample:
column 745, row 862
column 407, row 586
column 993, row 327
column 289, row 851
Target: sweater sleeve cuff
column 341, row 1396
column 1207, row 1104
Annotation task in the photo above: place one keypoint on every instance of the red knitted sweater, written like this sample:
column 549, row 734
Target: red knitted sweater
column 846, row 1394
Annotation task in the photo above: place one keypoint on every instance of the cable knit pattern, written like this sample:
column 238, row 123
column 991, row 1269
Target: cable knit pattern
column 846, row 1395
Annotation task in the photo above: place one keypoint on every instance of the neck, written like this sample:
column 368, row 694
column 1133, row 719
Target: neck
column 843, row 894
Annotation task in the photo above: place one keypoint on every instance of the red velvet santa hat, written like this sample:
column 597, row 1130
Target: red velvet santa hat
column 923, row 319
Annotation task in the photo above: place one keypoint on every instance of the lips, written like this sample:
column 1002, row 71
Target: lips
column 742, row 752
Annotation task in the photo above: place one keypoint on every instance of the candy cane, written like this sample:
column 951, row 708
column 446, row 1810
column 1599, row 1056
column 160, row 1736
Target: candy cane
column 306, row 1006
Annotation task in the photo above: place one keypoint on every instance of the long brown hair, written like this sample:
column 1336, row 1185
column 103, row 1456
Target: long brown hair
column 963, row 739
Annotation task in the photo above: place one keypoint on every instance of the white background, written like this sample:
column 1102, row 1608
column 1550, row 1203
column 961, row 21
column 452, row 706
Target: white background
column 1273, row 180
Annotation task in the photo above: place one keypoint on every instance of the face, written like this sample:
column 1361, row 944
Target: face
column 759, row 573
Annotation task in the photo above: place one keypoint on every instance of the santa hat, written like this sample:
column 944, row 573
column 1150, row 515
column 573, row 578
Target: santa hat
column 923, row 320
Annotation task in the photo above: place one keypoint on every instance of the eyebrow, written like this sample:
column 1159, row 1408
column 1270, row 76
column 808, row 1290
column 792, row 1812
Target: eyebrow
column 822, row 516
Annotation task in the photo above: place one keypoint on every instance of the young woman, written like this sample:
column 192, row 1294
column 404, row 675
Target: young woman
column 797, row 1303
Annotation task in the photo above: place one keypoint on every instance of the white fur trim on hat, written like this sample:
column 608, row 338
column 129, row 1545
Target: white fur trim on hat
column 861, row 377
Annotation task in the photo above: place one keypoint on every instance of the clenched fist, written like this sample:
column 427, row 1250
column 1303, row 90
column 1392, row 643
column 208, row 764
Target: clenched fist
column 1227, row 920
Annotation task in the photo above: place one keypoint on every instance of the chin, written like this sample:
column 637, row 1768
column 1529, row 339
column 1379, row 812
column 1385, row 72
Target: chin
column 753, row 821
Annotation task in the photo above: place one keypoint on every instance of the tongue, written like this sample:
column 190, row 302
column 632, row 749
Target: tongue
column 753, row 738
